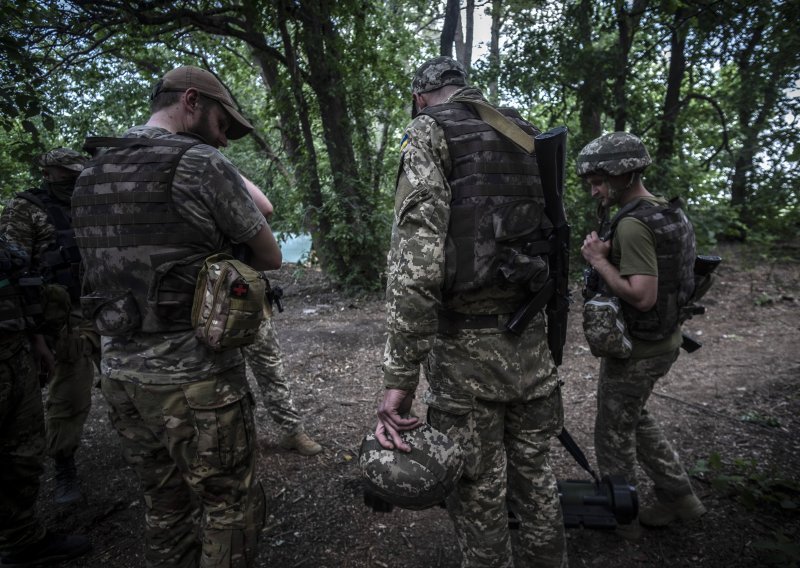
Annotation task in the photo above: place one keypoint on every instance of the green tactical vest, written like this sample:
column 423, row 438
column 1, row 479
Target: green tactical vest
column 139, row 260
column 497, row 237
column 675, row 253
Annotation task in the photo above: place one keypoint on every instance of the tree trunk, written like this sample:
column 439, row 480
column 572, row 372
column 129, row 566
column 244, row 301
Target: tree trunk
column 672, row 99
column 469, row 32
column 494, row 51
column 627, row 22
column 590, row 91
column 451, row 15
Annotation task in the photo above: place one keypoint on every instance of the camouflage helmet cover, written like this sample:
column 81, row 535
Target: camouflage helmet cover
column 613, row 154
column 438, row 72
column 416, row 480
column 62, row 158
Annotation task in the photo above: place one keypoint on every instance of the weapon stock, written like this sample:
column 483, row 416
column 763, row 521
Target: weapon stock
column 551, row 158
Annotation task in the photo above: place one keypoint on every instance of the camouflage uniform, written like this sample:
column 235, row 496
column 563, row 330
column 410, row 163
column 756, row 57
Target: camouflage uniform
column 21, row 444
column 264, row 358
column 184, row 414
column 76, row 346
column 659, row 244
column 493, row 393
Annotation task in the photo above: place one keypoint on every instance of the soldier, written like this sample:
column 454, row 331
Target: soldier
column 149, row 208
column 40, row 220
column 24, row 540
column 468, row 212
column 266, row 362
column 646, row 259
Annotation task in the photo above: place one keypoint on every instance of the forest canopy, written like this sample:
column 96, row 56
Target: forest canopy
column 712, row 88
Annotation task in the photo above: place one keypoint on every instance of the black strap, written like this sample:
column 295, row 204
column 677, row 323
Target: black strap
column 575, row 451
column 451, row 322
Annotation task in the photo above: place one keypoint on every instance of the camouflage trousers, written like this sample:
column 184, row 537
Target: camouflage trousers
column 69, row 392
column 193, row 448
column 21, row 449
column 625, row 431
column 507, row 446
column 264, row 358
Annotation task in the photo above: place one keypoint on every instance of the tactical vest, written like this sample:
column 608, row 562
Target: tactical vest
column 141, row 257
column 61, row 262
column 675, row 252
column 20, row 290
column 497, row 237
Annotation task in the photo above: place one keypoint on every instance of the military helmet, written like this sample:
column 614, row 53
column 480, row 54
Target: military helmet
column 416, row 480
column 62, row 158
column 613, row 154
column 438, row 72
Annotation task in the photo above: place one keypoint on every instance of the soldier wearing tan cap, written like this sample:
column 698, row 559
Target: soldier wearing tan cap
column 149, row 208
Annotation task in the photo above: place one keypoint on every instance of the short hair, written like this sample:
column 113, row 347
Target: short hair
column 164, row 99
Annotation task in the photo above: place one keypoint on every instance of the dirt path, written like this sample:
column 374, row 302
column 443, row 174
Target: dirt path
column 733, row 406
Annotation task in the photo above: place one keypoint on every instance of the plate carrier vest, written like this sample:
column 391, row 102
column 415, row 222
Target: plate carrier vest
column 498, row 230
column 20, row 290
column 123, row 201
column 675, row 252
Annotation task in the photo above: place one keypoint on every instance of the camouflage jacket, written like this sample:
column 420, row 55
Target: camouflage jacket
column 28, row 225
column 415, row 278
column 208, row 192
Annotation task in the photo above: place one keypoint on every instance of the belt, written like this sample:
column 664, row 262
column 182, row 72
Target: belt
column 451, row 323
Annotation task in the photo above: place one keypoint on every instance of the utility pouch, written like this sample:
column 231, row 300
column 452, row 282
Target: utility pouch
column 229, row 303
column 112, row 313
column 604, row 327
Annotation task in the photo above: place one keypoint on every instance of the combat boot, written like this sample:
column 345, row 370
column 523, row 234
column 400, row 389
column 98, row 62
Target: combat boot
column 661, row 514
column 300, row 442
column 51, row 550
column 67, row 489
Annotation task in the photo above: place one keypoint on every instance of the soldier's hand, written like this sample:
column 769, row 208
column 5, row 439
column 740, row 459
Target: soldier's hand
column 594, row 249
column 395, row 404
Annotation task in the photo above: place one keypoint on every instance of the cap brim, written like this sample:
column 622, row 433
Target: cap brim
column 239, row 127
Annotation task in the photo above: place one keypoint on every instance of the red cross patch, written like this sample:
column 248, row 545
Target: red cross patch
column 240, row 289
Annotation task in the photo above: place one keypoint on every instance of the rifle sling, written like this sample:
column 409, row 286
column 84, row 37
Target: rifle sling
column 501, row 123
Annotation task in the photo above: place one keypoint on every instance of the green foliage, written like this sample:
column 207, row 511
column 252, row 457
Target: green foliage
column 751, row 486
column 70, row 69
column 783, row 550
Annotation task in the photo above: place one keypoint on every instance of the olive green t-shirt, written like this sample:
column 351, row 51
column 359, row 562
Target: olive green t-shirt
column 633, row 251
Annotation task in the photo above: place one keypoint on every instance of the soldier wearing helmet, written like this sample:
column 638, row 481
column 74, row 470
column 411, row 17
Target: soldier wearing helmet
column 645, row 257
column 40, row 220
column 468, row 211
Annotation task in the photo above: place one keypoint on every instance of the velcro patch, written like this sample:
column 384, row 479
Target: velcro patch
column 239, row 289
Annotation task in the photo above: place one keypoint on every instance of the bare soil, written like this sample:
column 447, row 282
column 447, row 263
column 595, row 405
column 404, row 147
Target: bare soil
column 732, row 411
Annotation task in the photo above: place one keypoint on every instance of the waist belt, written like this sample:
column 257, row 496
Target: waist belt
column 451, row 323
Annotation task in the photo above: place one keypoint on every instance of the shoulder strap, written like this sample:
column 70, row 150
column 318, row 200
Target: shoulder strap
column 501, row 123
column 93, row 142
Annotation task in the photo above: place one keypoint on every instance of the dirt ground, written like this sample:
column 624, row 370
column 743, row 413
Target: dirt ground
column 732, row 411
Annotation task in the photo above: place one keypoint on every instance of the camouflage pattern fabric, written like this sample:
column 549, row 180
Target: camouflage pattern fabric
column 63, row 158
column 438, row 72
column 604, row 327
column 69, row 392
column 229, row 303
column 416, row 480
column 479, row 379
column 21, row 445
column 625, row 432
column 209, row 193
column 507, row 439
column 265, row 360
column 193, row 448
column 613, row 154
column 69, row 389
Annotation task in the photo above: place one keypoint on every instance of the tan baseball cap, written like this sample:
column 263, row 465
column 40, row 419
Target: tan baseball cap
column 190, row 77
